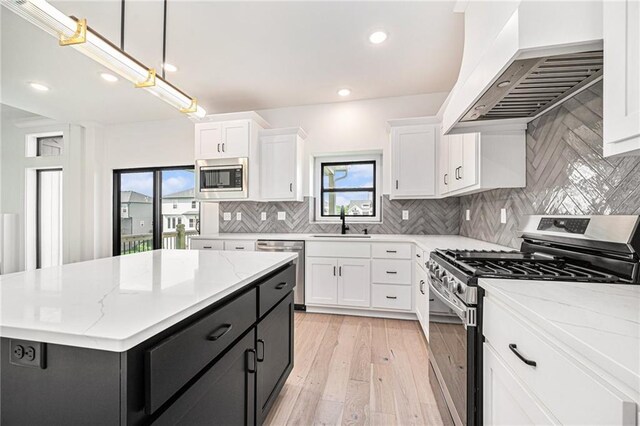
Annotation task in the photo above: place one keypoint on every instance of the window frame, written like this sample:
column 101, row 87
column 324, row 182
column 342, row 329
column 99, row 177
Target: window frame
column 354, row 158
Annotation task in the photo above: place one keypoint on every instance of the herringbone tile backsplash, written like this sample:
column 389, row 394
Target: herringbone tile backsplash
column 566, row 174
column 425, row 217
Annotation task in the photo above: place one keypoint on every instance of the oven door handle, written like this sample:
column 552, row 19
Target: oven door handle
column 466, row 315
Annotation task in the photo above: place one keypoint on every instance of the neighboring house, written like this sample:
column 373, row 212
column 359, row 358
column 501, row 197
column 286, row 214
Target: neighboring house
column 180, row 207
column 360, row 208
column 136, row 213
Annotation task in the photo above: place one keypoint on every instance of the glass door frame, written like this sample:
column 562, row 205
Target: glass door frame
column 156, row 205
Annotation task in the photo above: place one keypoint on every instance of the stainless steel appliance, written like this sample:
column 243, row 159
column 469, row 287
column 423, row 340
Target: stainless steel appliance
column 222, row 178
column 600, row 249
column 290, row 246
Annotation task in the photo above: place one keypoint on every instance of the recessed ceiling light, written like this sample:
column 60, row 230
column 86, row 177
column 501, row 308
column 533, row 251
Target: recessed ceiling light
column 378, row 37
column 169, row 67
column 39, row 87
column 504, row 83
column 109, row 77
column 344, row 92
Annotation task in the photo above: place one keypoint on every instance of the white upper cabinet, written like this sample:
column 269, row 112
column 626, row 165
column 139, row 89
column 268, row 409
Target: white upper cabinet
column 281, row 164
column 413, row 160
column 621, row 109
column 222, row 139
column 472, row 162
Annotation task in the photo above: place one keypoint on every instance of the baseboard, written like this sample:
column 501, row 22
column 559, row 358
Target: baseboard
column 362, row 312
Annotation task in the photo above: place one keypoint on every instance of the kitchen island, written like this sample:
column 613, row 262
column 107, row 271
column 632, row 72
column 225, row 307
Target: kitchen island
column 167, row 336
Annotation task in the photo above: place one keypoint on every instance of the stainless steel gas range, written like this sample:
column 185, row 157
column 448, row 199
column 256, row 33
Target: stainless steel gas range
column 600, row 249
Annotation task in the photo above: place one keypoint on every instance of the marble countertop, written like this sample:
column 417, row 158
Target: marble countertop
column 116, row 303
column 599, row 324
column 425, row 242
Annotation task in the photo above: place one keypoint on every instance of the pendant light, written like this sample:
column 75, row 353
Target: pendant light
column 76, row 33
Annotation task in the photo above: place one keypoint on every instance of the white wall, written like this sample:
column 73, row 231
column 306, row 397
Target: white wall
column 352, row 126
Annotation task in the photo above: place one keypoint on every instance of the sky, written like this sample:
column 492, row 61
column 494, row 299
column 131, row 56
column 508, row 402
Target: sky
column 172, row 181
column 359, row 175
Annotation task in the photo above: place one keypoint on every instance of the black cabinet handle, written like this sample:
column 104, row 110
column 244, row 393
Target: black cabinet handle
column 207, row 247
column 340, row 271
column 218, row 147
column 251, row 360
column 219, row 332
column 281, row 286
column 514, row 349
column 418, row 255
column 223, row 147
column 396, row 184
column 445, row 178
column 432, row 300
column 460, row 173
column 392, row 297
column 291, row 187
column 259, row 357
column 392, row 272
column 239, row 248
column 392, row 251
column 422, row 286
column 334, row 271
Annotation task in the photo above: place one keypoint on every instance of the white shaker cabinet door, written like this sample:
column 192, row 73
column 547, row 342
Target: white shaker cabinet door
column 278, row 167
column 235, row 139
column 621, row 107
column 413, row 150
column 208, row 140
column 321, row 284
column 354, row 282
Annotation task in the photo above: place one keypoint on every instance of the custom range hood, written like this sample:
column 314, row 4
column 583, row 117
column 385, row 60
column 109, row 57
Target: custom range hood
column 520, row 59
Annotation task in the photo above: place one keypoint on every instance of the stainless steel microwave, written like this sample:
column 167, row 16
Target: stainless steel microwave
column 222, row 178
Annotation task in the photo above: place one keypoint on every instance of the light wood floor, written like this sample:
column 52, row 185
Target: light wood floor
column 353, row 370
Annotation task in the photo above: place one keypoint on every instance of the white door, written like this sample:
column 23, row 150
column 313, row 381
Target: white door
column 505, row 400
column 235, row 139
column 208, row 140
column 354, row 282
column 469, row 172
column 621, row 108
column 455, row 161
column 278, row 167
column 444, row 177
column 321, row 281
column 414, row 161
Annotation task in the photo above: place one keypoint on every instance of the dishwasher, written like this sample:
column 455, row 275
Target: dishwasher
column 295, row 247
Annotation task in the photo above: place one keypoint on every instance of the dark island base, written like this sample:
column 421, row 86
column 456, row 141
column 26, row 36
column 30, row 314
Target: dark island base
column 224, row 365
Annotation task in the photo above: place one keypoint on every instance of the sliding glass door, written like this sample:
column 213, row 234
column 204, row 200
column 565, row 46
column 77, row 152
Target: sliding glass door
column 154, row 208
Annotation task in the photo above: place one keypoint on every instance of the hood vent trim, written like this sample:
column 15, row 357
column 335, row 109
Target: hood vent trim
column 531, row 86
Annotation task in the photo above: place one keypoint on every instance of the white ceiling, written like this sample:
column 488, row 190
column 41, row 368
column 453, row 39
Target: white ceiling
column 237, row 56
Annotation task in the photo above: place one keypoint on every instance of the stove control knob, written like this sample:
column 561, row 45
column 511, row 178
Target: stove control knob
column 445, row 281
column 457, row 288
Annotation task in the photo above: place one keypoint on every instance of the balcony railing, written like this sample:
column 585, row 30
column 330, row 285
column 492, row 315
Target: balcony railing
column 144, row 242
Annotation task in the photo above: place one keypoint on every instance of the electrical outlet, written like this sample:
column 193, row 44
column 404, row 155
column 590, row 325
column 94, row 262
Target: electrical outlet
column 503, row 215
column 405, row 214
column 27, row 354
column 238, row 216
column 467, row 214
column 282, row 215
column 263, row 216
column 226, row 216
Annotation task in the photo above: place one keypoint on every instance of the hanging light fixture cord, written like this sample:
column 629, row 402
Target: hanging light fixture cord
column 122, row 25
column 164, row 38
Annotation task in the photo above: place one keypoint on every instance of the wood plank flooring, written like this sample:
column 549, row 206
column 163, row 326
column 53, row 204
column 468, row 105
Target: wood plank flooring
column 355, row 371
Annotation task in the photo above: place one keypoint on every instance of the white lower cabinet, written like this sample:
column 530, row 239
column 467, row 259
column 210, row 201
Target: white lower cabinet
column 505, row 401
column 539, row 366
column 206, row 244
column 240, row 245
column 354, row 282
column 321, row 281
column 390, row 296
column 422, row 298
column 344, row 282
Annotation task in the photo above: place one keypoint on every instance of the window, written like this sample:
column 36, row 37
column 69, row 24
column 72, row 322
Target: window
column 179, row 221
column 194, row 204
column 49, row 146
column 146, row 197
column 192, row 222
column 348, row 185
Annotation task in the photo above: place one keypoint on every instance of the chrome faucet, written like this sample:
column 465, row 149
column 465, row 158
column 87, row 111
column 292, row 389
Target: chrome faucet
column 345, row 228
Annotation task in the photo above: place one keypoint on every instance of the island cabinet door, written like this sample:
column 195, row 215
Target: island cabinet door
column 223, row 395
column 274, row 348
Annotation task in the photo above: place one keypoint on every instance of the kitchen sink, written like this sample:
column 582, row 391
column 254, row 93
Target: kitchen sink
column 341, row 236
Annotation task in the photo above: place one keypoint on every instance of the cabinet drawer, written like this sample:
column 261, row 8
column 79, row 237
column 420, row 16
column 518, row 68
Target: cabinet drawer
column 275, row 289
column 391, row 251
column 240, row 245
column 206, row 245
column 391, row 297
column 581, row 399
column 174, row 361
column 338, row 249
column 391, row 271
